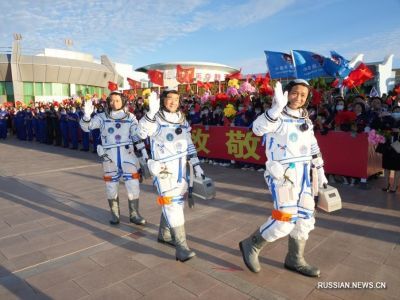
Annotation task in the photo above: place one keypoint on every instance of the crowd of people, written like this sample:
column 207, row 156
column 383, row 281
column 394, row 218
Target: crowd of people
column 58, row 123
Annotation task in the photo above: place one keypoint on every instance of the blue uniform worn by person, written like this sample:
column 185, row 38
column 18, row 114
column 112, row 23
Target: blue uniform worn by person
column 73, row 127
column 42, row 120
column 64, row 127
column 4, row 116
column 20, row 124
column 291, row 150
column 28, row 122
column 35, row 123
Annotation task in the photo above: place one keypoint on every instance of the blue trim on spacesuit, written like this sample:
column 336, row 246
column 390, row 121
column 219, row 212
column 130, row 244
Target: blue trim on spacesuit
column 117, row 145
column 271, row 141
column 117, row 121
column 119, row 159
column 180, row 171
column 273, row 221
column 298, row 121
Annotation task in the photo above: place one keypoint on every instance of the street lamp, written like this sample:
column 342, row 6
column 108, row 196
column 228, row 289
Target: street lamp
column 17, row 36
column 68, row 42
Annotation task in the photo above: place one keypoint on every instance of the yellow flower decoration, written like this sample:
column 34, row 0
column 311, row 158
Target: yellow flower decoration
column 229, row 111
column 233, row 83
column 88, row 97
column 78, row 101
column 146, row 102
column 146, row 92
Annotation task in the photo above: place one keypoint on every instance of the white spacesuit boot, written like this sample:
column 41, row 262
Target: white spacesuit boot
column 164, row 232
column 295, row 259
column 251, row 248
column 182, row 253
column 114, row 208
column 134, row 216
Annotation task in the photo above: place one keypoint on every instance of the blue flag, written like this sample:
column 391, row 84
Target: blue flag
column 308, row 64
column 280, row 65
column 337, row 65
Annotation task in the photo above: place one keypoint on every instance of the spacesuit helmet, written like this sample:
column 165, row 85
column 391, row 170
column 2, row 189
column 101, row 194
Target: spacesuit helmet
column 301, row 82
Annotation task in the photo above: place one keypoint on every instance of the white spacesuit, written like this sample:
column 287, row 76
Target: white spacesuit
column 118, row 136
column 171, row 145
column 291, row 150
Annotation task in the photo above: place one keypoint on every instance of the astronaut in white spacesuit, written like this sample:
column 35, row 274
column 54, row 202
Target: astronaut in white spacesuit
column 118, row 136
column 171, row 146
column 291, row 150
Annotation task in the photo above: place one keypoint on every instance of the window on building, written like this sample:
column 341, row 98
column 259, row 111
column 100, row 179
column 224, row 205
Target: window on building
column 28, row 92
column 56, row 89
column 47, row 89
column 2, row 88
column 28, row 88
column 9, row 89
column 65, row 89
column 38, row 89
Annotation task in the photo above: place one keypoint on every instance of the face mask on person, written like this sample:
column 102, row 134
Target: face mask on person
column 42, row 110
column 192, row 112
column 241, row 108
column 396, row 115
column 3, row 109
column 258, row 111
column 339, row 107
column 73, row 110
column 205, row 111
column 56, row 108
column 63, row 112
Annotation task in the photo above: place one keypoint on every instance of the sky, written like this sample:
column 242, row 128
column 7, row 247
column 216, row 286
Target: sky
column 234, row 33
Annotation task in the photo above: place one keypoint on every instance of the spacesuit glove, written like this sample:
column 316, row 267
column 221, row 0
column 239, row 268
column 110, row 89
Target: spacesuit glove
column 279, row 102
column 322, row 180
column 154, row 166
column 194, row 161
column 198, row 171
column 154, row 105
column 88, row 110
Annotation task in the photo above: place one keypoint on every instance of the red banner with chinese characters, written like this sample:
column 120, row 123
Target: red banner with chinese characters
column 343, row 154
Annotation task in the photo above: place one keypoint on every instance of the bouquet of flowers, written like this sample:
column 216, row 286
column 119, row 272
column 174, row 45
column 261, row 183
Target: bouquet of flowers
column 375, row 138
column 230, row 111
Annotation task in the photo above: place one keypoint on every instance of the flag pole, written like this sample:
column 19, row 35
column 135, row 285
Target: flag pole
column 294, row 64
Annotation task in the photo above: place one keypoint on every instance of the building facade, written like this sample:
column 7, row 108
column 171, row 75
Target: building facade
column 53, row 75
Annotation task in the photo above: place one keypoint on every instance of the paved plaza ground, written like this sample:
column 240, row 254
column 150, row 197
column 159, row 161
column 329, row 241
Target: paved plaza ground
column 56, row 243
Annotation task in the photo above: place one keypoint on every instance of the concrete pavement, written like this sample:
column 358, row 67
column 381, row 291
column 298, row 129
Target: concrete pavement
column 56, row 243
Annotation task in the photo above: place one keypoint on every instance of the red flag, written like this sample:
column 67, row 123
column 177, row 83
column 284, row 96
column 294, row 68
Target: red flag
column 397, row 89
column 235, row 75
column 348, row 82
column 184, row 75
column 206, row 85
column 134, row 84
column 156, row 77
column 360, row 75
column 316, row 97
column 335, row 83
column 112, row 86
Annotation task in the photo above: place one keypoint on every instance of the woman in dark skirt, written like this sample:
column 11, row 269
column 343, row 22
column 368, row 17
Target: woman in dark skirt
column 390, row 157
